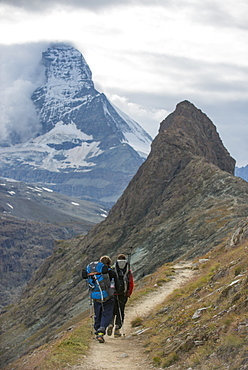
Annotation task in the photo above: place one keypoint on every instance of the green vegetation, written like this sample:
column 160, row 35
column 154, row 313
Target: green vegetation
column 136, row 322
column 206, row 321
column 69, row 348
column 201, row 325
column 150, row 282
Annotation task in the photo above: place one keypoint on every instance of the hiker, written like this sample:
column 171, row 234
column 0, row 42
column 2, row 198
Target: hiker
column 103, row 283
column 126, row 283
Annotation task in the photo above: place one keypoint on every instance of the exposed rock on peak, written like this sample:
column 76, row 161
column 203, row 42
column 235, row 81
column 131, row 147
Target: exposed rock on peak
column 56, row 60
column 187, row 172
column 193, row 132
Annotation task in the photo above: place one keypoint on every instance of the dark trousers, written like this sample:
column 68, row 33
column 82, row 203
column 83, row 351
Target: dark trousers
column 103, row 314
column 119, row 307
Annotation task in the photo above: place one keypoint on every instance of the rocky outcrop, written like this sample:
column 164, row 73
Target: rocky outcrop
column 194, row 134
column 183, row 201
column 168, row 207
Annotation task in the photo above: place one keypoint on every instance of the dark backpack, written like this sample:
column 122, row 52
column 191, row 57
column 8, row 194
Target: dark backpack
column 101, row 286
column 123, row 276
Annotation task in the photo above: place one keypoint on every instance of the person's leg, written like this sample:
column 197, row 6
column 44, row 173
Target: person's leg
column 115, row 313
column 99, row 331
column 107, row 313
column 112, row 322
column 97, row 316
column 121, row 302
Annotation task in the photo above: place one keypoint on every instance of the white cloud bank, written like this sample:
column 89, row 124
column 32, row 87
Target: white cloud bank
column 21, row 74
column 146, row 56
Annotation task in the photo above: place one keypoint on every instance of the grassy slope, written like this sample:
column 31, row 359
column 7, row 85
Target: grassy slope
column 205, row 324
column 215, row 338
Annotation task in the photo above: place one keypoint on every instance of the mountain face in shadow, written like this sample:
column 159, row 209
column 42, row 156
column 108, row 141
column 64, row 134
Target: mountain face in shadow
column 183, row 201
column 168, row 209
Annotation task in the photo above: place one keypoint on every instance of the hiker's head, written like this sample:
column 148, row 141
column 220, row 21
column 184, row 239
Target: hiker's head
column 121, row 261
column 106, row 260
column 121, row 257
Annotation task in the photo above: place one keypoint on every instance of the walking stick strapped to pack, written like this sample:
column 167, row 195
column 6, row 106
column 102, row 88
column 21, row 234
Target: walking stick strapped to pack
column 100, row 285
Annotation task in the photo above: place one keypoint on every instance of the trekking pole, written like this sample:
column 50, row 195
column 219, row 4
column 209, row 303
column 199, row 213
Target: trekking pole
column 119, row 308
column 91, row 317
column 129, row 255
column 101, row 292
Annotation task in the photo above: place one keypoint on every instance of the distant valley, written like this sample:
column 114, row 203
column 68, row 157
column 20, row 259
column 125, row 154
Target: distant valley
column 32, row 218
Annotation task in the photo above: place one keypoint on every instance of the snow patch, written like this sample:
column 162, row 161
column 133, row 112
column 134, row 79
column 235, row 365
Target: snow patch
column 135, row 135
column 49, row 190
column 42, row 153
column 61, row 133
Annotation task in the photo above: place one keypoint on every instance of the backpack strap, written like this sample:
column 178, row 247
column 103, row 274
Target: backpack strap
column 99, row 281
column 123, row 274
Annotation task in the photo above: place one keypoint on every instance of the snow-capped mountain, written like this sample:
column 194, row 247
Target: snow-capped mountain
column 242, row 172
column 86, row 146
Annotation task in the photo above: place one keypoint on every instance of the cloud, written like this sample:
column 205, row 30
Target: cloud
column 166, row 74
column 148, row 56
column 21, row 75
column 221, row 13
column 150, row 118
column 95, row 4
column 37, row 6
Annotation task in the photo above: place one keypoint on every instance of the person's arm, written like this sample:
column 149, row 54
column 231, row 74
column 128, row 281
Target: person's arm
column 130, row 285
column 84, row 274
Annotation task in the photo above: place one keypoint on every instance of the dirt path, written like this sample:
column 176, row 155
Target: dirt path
column 127, row 352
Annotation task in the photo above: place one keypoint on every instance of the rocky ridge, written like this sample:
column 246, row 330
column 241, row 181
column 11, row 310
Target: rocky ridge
column 183, row 201
column 185, row 186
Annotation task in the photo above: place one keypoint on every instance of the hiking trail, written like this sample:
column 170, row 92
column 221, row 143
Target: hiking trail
column 127, row 352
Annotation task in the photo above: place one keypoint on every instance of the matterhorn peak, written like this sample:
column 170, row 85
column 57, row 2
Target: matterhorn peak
column 68, row 84
column 65, row 63
column 86, row 147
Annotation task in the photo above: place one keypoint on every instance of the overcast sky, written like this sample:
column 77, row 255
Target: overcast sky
column 146, row 56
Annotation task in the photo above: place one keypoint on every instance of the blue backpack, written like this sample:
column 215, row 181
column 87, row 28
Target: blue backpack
column 100, row 285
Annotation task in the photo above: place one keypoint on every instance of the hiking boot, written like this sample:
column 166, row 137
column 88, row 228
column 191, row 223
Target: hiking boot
column 110, row 329
column 117, row 333
column 100, row 338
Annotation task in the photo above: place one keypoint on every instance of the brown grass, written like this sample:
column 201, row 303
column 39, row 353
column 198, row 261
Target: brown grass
column 220, row 334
